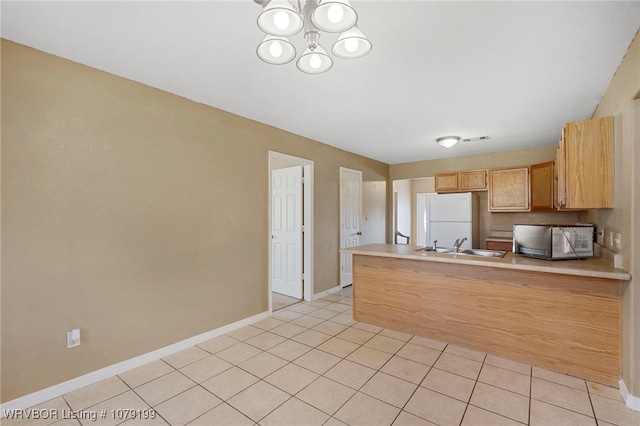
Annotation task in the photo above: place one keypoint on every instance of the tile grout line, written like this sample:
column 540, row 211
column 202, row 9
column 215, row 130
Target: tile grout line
column 593, row 409
column 431, row 367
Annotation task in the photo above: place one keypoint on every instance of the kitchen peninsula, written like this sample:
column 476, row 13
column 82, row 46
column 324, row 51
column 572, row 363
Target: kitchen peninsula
column 562, row 315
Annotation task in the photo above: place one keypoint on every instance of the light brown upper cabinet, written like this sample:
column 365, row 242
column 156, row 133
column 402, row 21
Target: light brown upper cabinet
column 447, row 182
column 541, row 184
column 509, row 190
column 473, row 180
column 585, row 165
column 469, row 180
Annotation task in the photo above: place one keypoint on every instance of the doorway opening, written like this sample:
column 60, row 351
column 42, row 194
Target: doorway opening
column 290, row 216
column 408, row 209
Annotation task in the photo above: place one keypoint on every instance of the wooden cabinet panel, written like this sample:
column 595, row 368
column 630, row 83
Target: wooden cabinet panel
column 570, row 324
column 473, row 180
column 446, row 182
column 509, row 189
column 465, row 181
column 585, row 165
column 499, row 245
column 541, row 180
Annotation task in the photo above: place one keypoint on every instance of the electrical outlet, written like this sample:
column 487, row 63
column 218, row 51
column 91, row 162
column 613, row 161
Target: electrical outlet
column 618, row 241
column 73, row 338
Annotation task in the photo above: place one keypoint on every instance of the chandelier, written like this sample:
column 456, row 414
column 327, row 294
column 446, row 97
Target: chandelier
column 280, row 19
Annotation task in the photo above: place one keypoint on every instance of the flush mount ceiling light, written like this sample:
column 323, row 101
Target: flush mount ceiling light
column 448, row 141
column 280, row 19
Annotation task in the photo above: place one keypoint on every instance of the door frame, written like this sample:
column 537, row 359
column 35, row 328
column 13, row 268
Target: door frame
column 307, row 236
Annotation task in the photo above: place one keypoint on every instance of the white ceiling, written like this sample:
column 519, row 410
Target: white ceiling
column 516, row 71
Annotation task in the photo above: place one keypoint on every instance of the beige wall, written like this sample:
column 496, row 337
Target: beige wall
column 619, row 102
column 504, row 221
column 138, row 216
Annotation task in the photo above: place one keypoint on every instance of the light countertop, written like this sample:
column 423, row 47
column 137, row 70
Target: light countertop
column 590, row 267
column 499, row 239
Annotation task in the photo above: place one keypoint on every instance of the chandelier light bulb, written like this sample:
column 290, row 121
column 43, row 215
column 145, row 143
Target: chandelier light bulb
column 335, row 13
column 351, row 45
column 275, row 48
column 281, row 20
column 315, row 61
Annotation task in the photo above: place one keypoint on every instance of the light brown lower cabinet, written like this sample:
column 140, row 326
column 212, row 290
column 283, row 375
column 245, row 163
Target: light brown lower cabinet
column 566, row 323
column 499, row 245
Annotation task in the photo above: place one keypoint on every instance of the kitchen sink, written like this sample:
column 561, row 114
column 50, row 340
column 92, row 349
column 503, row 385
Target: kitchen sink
column 438, row 250
column 484, row 253
column 465, row 252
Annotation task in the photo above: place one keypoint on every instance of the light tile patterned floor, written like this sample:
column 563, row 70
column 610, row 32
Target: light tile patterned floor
column 312, row 364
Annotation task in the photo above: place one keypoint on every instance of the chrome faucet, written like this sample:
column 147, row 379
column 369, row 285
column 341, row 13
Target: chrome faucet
column 435, row 245
column 459, row 243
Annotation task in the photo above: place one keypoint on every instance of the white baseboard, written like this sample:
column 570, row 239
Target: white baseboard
column 320, row 295
column 632, row 402
column 115, row 369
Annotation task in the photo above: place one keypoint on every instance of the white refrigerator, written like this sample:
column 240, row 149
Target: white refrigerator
column 451, row 216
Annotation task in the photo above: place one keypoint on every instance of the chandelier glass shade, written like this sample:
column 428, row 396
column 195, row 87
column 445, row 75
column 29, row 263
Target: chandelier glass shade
column 334, row 16
column 351, row 44
column 276, row 50
column 314, row 61
column 280, row 19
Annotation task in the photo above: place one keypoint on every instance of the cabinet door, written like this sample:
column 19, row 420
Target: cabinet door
column 509, row 190
column 499, row 245
column 559, row 170
column 588, row 164
column 473, row 180
column 447, row 182
column 541, row 185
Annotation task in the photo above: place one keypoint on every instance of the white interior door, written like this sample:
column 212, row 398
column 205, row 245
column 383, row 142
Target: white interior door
column 286, row 238
column 350, row 219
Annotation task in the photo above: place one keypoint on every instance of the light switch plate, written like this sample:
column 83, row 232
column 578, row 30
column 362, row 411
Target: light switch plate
column 73, row 338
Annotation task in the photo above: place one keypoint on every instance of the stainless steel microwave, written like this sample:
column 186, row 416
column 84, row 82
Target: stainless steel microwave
column 553, row 242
